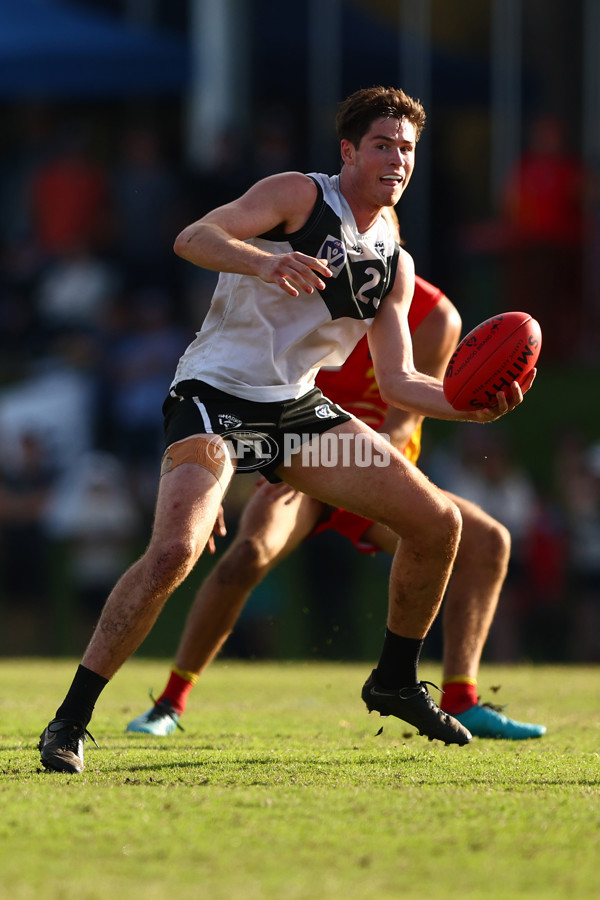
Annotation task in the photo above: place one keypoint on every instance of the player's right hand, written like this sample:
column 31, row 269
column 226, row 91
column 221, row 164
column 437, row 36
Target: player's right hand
column 295, row 272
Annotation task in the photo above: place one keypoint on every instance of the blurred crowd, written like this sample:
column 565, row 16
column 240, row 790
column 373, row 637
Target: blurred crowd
column 95, row 310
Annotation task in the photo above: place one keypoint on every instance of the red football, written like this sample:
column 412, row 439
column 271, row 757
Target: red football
column 501, row 350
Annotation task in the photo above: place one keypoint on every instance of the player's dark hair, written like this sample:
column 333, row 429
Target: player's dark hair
column 360, row 109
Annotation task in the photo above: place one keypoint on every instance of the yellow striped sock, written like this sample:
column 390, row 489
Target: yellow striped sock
column 191, row 677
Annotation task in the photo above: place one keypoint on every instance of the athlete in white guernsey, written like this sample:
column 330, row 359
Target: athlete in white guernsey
column 276, row 355
column 308, row 266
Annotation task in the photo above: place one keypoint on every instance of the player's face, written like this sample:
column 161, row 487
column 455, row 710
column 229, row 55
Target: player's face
column 384, row 160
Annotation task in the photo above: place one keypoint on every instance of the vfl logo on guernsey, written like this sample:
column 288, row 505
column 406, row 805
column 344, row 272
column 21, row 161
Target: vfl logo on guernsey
column 325, row 412
column 333, row 250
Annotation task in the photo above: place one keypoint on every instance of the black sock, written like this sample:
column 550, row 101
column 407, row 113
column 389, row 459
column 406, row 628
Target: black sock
column 81, row 696
column 399, row 661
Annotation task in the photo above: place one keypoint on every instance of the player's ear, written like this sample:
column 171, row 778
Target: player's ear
column 348, row 151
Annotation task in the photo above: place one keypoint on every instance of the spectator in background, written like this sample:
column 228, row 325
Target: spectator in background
column 74, row 291
column 62, row 270
column 58, row 394
column 543, row 211
column 70, row 198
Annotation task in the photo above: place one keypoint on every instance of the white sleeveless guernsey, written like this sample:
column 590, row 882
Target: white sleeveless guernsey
column 259, row 343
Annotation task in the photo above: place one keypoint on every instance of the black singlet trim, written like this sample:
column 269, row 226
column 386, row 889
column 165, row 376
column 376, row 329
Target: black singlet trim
column 278, row 234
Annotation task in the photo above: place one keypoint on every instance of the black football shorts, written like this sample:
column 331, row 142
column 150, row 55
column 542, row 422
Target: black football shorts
column 260, row 436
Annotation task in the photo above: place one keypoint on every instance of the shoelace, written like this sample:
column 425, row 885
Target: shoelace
column 75, row 733
column 162, row 709
column 420, row 688
column 407, row 693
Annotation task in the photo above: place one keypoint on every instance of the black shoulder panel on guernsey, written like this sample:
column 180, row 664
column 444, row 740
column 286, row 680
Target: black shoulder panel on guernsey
column 278, row 234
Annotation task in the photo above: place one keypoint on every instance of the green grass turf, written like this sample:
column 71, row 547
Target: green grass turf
column 279, row 788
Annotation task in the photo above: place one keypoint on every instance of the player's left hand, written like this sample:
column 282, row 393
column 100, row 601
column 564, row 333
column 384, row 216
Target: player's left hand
column 274, row 492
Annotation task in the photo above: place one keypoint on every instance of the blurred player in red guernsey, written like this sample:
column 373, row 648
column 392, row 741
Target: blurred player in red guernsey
column 277, row 519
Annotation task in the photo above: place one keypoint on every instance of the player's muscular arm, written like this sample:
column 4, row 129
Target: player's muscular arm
column 433, row 343
column 218, row 240
column 400, row 383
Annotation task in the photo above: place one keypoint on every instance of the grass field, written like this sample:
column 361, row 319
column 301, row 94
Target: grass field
column 280, row 788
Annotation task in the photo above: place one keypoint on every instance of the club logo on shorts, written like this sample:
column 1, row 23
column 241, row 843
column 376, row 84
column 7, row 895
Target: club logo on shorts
column 333, row 250
column 325, row 412
column 228, row 421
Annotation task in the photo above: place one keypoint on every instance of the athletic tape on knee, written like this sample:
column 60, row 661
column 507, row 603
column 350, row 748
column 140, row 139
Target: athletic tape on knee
column 208, row 452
